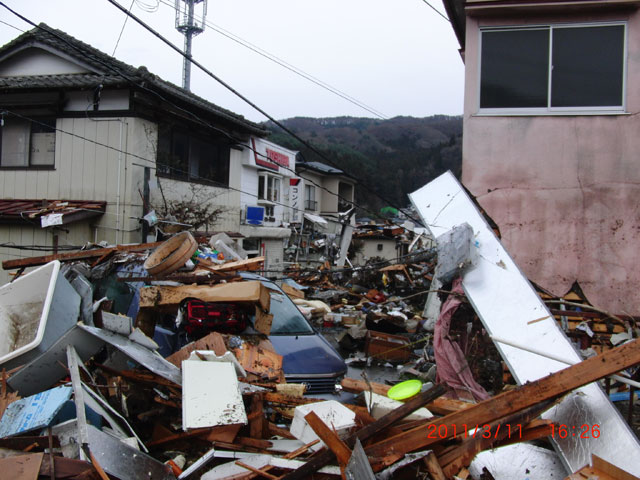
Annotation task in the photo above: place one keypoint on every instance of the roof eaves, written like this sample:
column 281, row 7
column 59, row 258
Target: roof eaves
column 139, row 77
column 455, row 12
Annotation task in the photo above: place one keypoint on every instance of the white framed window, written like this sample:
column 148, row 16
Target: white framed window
column 269, row 187
column 26, row 144
column 553, row 68
column 310, row 198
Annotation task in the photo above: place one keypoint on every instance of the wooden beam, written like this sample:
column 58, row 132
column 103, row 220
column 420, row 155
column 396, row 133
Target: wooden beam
column 549, row 387
column 82, row 254
column 259, row 472
column 440, row 406
column 490, row 434
column 609, row 469
column 256, row 424
column 330, row 438
column 320, row 460
column 433, row 467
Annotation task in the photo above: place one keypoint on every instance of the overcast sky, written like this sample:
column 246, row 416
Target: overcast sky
column 397, row 56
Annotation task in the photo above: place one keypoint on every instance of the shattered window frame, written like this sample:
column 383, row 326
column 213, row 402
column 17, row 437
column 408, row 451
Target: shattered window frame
column 520, row 69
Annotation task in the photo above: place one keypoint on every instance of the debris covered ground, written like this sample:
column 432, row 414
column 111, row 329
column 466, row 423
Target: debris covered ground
column 174, row 360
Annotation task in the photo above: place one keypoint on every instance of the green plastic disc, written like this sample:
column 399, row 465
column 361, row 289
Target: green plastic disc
column 404, row 390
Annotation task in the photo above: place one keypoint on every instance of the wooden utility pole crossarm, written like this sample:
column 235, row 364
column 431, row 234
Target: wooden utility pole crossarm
column 488, row 411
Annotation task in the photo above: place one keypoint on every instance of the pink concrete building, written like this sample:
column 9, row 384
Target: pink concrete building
column 551, row 145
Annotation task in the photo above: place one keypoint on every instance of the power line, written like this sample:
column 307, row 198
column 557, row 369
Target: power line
column 208, row 181
column 189, row 113
column 249, row 102
column 436, row 10
column 12, row 26
column 189, row 175
column 122, row 30
column 200, row 120
column 269, row 56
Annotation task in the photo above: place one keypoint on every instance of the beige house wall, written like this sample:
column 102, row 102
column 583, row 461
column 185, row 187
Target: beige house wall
column 85, row 169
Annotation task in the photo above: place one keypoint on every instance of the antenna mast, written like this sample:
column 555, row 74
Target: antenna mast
column 190, row 25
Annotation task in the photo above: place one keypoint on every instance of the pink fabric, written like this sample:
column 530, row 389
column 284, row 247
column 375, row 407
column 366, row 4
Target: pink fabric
column 452, row 367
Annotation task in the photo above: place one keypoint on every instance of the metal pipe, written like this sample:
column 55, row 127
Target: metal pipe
column 118, row 188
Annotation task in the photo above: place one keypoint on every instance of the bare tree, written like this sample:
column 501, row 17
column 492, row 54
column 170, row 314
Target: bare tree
column 195, row 208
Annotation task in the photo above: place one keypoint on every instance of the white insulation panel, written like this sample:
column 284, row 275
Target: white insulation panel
column 210, row 395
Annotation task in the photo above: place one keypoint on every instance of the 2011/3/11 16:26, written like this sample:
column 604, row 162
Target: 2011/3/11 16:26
column 583, row 431
column 508, row 431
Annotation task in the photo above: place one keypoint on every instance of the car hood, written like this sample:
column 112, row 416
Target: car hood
column 308, row 355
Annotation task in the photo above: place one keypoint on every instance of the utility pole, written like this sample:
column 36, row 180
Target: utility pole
column 189, row 24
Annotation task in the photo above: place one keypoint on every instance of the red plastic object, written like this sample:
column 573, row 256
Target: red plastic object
column 204, row 317
column 375, row 296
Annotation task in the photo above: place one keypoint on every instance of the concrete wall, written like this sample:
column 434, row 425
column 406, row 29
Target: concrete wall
column 328, row 199
column 370, row 250
column 562, row 188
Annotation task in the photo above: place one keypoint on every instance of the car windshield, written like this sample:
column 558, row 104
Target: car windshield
column 287, row 319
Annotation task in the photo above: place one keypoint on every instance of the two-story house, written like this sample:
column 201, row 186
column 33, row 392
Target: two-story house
column 79, row 125
column 550, row 146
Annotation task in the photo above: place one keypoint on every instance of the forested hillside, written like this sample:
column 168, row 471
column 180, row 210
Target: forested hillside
column 391, row 157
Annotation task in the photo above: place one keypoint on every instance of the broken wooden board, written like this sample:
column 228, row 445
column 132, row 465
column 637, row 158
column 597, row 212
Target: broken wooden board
column 214, row 342
column 506, row 302
column 21, row 467
column 601, row 470
column 369, row 431
column 385, row 346
column 525, row 396
column 65, row 257
column 6, row 398
column 249, row 291
column 293, row 292
column 440, row 406
column 264, row 363
column 263, row 321
column 333, row 442
column 248, row 265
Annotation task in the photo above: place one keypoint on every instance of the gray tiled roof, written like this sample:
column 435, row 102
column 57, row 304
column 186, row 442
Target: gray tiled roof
column 320, row 167
column 116, row 71
column 77, row 80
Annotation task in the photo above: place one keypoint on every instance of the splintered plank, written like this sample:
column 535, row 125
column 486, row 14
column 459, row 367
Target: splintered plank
column 251, row 291
column 440, row 406
column 323, row 458
column 249, row 264
column 214, row 341
column 65, row 257
column 333, row 442
column 433, row 467
column 549, row 387
column 488, row 435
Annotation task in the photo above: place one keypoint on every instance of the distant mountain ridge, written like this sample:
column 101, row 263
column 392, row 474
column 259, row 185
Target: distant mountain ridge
column 393, row 157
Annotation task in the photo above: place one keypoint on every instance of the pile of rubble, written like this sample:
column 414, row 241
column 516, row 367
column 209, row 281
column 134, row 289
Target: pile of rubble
column 178, row 360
